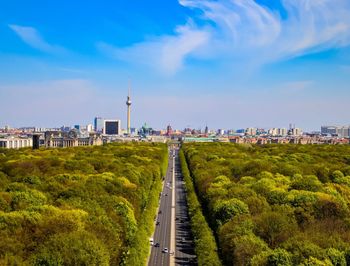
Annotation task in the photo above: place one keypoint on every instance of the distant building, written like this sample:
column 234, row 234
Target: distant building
column 70, row 139
column 343, row 132
column 277, row 132
column 98, row 124
column 134, row 131
column 329, row 130
column 251, row 131
column 15, row 142
column 221, row 132
column 206, row 130
column 169, row 130
column 27, row 129
column 340, row 131
column 112, row 127
column 231, row 132
column 296, row 131
column 65, row 128
column 89, row 128
column 44, row 129
column 146, row 130
column 282, row 132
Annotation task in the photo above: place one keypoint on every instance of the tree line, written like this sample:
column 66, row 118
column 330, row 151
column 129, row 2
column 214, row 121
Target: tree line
column 275, row 204
column 79, row 206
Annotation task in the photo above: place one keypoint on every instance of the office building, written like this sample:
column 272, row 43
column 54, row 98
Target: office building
column 98, row 124
column 112, row 127
column 89, row 128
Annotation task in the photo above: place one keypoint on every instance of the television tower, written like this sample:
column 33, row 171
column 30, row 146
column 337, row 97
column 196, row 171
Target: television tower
column 128, row 104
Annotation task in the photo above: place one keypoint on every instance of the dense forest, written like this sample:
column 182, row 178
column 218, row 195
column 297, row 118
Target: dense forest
column 79, row 206
column 275, row 204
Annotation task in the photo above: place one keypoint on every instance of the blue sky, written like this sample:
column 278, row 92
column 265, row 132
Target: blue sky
column 225, row 63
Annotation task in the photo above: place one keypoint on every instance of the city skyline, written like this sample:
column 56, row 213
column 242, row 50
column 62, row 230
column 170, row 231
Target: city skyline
column 228, row 64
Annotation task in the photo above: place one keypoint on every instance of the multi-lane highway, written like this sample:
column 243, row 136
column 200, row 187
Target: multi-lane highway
column 172, row 239
column 184, row 253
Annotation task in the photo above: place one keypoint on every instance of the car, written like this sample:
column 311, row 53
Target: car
column 165, row 250
column 157, row 223
column 156, row 245
column 160, row 212
column 151, row 241
column 177, row 218
column 166, row 194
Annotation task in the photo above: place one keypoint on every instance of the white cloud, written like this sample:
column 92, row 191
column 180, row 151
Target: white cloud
column 167, row 53
column 247, row 29
column 242, row 31
column 32, row 37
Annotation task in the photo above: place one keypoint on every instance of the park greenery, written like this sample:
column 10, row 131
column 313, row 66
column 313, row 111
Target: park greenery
column 272, row 204
column 205, row 245
column 79, row 206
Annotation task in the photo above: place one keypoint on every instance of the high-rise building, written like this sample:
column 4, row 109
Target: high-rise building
column 296, row 131
column 98, row 124
column 89, row 128
column 251, row 131
column 128, row 104
column 112, row 127
column 220, row 132
column 282, row 132
column 343, row 132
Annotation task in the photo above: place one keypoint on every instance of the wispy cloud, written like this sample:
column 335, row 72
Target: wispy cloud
column 245, row 28
column 167, row 53
column 245, row 31
column 33, row 38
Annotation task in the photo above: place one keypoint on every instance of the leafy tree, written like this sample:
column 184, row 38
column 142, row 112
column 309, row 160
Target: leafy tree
column 226, row 209
column 337, row 257
column 279, row 257
column 246, row 247
column 78, row 248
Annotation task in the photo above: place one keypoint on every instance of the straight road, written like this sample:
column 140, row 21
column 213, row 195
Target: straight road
column 166, row 222
column 184, row 253
column 161, row 235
